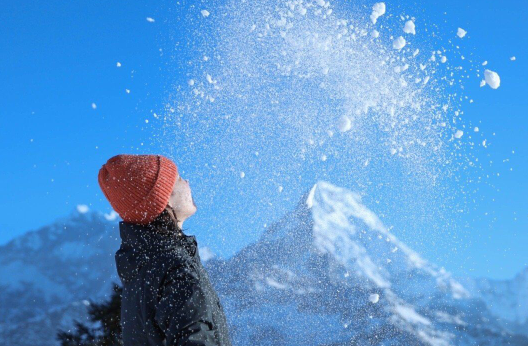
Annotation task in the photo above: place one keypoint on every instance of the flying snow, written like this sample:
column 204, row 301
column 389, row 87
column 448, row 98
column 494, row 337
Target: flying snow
column 374, row 298
column 398, row 43
column 461, row 32
column 378, row 10
column 409, row 27
column 205, row 13
column 492, row 79
column 150, row 20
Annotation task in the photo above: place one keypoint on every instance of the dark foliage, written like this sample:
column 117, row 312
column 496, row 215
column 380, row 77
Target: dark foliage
column 106, row 329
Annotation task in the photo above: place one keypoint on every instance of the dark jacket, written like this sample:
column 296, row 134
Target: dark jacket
column 167, row 296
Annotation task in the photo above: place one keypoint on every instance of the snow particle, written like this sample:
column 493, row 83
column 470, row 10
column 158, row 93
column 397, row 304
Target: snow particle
column 94, row 106
column 461, row 32
column 378, row 10
column 492, row 79
column 476, row 129
column 118, row 64
column 513, row 58
column 205, row 13
column 443, row 59
column 409, row 27
column 375, row 33
column 190, row 82
column 323, row 158
column 242, row 174
column 344, row 123
column 482, row 83
column 459, row 134
column 398, row 43
column 150, row 20
column 485, row 63
column 127, row 91
column 374, row 298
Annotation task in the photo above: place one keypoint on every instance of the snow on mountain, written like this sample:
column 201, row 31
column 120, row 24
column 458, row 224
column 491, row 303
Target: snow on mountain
column 330, row 273
column 506, row 299
column 327, row 273
column 47, row 274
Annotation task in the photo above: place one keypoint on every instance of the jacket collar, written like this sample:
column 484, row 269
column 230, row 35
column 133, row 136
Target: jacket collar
column 140, row 242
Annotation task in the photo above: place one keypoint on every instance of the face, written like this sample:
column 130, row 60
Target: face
column 181, row 199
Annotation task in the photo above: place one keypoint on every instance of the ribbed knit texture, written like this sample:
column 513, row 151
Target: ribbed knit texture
column 138, row 186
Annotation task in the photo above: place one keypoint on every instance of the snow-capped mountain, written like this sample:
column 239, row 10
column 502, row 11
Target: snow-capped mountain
column 328, row 273
column 54, row 270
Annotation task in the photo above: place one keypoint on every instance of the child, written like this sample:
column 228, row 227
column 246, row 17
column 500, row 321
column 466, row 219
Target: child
column 167, row 296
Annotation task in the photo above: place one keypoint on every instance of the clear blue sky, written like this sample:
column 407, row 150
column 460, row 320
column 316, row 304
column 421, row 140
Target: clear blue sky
column 60, row 57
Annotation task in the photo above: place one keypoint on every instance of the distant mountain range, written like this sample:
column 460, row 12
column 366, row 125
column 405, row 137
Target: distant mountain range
column 327, row 273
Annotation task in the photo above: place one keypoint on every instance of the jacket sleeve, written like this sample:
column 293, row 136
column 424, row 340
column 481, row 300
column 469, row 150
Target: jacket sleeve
column 182, row 311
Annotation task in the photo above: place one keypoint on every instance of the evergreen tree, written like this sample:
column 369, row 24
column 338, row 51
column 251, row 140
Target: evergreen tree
column 105, row 317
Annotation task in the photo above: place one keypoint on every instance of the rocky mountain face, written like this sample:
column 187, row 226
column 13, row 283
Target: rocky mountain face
column 327, row 273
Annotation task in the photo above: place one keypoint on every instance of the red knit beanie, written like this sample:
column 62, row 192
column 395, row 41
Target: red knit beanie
column 138, row 186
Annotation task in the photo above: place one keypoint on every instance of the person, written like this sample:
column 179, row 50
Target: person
column 167, row 296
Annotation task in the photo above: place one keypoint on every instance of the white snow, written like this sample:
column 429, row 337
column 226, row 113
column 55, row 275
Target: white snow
column 205, row 253
column 150, row 20
column 242, row 174
column 443, row 59
column 410, row 315
column 482, row 83
column 82, row 208
column 190, row 82
column 374, row 298
column 476, row 129
column 210, row 79
column 127, row 91
column 375, row 33
column 111, row 216
column 118, row 64
column 513, row 58
column 274, row 283
column 459, row 134
column 310, row 198
column 485, row 63
column 409, row 27
column 378, row 10
column 492, row 79
column 461, row 32
column 323, row 157
column 344, row 123
column 280, row 188
column 205, row 13
column 398, row 43
column 94, row 106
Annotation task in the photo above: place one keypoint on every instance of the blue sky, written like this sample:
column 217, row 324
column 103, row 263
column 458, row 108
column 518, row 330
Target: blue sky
column 60, row 57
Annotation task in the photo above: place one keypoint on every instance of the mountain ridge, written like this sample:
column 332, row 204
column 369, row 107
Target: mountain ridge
column 329, row 263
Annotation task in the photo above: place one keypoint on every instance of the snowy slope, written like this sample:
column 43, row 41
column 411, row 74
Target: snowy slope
column 327, row 273
column 506, row 299
column 46, row 275
column 330, row 273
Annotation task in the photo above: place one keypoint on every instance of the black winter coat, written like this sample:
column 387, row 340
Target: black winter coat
column 167, row 296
